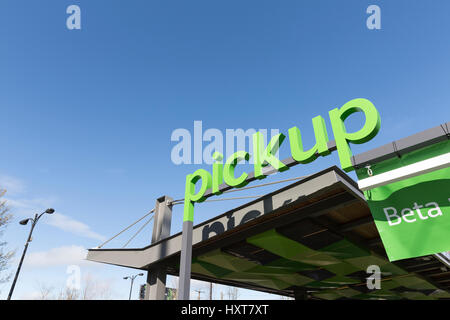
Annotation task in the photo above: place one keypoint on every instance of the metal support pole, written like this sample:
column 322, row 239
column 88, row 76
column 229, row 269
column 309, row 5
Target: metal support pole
column 156, row 277
column 156, row 281
column 185, row 261
column 131, row 287
column 162, row 219
column 35, row 220
column 210, row 290
column 300, row 294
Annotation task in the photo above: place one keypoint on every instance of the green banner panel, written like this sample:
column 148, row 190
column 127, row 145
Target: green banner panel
column 412, row 215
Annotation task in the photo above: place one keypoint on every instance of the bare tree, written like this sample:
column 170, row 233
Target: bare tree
column 88, row 290
column 232, row 293
column 94, row 289
column 45, row 291
column 91, row 289
column 285, row 298
column 5, row 256
column 69, row 294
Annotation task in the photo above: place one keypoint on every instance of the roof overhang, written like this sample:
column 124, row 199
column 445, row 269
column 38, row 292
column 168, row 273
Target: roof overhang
column 249, row 216
column 328, row 200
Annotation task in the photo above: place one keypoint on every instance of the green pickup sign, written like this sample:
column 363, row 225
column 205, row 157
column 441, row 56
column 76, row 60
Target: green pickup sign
column 265, row 155
column 412, row 215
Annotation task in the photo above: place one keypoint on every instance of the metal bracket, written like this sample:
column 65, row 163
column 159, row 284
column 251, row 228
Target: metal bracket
column 446, row 130
column 369, row 170
column 394, row 145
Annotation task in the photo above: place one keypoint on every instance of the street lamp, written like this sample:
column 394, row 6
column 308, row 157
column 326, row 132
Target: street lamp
column 132, row 280
column 24, row 222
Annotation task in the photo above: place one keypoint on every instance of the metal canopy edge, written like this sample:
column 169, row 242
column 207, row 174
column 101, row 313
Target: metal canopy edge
column 142, row 258
column 402, row 146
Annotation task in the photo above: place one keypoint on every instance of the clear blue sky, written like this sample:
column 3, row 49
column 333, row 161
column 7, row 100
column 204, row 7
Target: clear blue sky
column 87, row 114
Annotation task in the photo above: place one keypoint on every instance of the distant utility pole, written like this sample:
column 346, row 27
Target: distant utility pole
column 210, row 290
column 199, row 292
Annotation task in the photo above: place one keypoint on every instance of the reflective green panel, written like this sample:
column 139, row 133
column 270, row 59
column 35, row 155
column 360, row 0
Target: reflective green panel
column 294, row 279
column 226, row 261
column 392, row 270
column 209, row 269
column 363, row 262
column 415, row 296
column 347, row 292
column 290, row 249
column 293, row 266
column 257, row 279
column 328, row 295
column 342, row 280
column 344, row 249
column 342, row 268
column 414, row 282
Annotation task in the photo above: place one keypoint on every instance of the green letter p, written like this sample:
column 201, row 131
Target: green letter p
column 366, row 133
column 189, row 194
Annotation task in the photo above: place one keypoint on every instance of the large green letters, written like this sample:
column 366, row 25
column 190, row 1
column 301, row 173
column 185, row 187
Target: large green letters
column 366, row 133
column 230, row 165
column 264, row 156
column 190, row 196
column 320, row 148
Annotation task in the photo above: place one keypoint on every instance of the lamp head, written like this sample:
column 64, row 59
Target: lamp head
column 50, row 210
column 24, row 221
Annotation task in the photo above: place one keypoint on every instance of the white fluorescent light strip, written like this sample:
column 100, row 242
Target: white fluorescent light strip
column 409, row 171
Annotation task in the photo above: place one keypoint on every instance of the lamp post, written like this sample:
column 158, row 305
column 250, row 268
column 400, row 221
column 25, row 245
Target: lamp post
column 24, row 222
column 132, row 280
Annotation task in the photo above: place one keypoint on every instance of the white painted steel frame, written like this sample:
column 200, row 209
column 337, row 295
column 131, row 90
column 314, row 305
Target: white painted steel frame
column 409, row 171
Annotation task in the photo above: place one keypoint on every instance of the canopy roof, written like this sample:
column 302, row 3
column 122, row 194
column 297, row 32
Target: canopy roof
column 315, row 237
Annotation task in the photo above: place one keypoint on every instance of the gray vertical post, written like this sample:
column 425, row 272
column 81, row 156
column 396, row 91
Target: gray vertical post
column 300, row 294
column 156, row 282
column 156, row 277
column 184, row 285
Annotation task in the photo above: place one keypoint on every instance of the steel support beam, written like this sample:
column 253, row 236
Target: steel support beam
column 156, row 277
column 184, row 284
column 300, row 294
